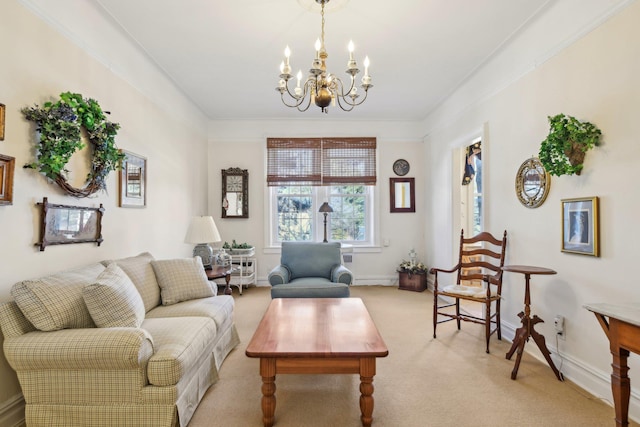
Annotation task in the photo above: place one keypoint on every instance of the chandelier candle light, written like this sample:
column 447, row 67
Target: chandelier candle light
column 322, row 87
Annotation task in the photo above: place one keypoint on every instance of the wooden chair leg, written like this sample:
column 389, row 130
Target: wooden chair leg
column 458, row 312
column 498, row 324
column 487, row 322
column 435, row 313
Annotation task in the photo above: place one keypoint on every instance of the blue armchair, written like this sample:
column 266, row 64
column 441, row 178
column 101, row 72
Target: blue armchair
column 310, row 270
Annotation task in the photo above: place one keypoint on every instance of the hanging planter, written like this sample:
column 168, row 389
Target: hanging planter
column 60, row 126
column 563, row 151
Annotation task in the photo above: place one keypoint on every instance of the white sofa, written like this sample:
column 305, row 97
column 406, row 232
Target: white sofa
column 130, row 342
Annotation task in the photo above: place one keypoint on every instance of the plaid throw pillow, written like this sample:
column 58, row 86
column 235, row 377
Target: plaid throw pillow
column 55, row 302
column 181, row 280
column 113, row 300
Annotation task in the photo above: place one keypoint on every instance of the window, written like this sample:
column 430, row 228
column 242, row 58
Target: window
column 304, row 173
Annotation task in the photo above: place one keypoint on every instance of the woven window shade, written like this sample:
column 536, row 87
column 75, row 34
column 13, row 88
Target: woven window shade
column 316, row 161
column 349, row 161
column 294, row 161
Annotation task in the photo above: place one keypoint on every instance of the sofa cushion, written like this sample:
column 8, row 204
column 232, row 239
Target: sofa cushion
column 182, row 280
column 219, row 308
column 113, row 300
column 55, row 302
column 179, row 343
column 139, row 270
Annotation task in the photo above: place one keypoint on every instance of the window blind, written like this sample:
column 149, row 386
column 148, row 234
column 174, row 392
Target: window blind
column 294, row 161
column 321, row 161
column 349, row 161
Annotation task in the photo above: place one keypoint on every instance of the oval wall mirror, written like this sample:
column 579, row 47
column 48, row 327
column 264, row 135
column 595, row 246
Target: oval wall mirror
column 532, row 183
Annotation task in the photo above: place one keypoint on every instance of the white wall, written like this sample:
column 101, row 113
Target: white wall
column 156, row 121
column 243, row 144
column 593, row 79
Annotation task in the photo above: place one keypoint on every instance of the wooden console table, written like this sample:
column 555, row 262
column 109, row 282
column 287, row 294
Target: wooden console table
column 621, row 324
column 526, row 330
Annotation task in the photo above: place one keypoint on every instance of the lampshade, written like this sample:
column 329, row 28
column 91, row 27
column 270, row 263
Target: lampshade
column 325, row 208
column 202, row 230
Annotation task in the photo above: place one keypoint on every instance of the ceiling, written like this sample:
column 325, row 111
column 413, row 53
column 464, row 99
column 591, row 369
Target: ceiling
column 225, row 54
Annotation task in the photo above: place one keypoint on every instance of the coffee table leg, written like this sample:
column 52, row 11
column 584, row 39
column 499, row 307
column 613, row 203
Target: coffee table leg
column 268, row 374
column 367, row 372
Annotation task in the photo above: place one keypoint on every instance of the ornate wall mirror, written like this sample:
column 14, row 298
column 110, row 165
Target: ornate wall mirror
column 532, row 183
column 235, row 193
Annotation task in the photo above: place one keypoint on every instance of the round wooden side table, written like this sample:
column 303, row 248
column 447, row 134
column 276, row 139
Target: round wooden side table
column 527, row 329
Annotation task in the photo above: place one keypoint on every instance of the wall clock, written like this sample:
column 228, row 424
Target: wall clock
column 401, row 167
column 532, row 183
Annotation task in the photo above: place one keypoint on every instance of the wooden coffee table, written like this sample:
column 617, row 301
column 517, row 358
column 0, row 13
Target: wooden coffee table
column 317, row 336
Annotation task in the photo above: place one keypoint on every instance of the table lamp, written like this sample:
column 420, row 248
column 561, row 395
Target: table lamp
column 325, row 209
column 203, row 231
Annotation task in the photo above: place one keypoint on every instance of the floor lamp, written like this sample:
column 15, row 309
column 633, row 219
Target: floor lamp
column 325, row 209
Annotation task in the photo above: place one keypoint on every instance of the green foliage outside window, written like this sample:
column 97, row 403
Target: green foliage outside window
column 296, row 213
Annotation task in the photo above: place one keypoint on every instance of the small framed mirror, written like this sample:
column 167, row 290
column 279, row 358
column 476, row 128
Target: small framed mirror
column 403, row 196
column 532, row 183
column 235, row 193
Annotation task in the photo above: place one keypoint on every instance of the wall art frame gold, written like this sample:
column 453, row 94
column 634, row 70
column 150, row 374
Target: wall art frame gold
column 580, row 226
column 133, row 181
column 7, row 167
column 2, row 121
column 64, row 224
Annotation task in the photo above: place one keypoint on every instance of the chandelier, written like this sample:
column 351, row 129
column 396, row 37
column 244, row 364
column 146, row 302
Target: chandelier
column 322, row 87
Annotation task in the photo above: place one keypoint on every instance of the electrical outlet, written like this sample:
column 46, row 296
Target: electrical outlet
column 558, row 321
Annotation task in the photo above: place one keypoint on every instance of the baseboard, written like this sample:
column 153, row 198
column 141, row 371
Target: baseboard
column 12, row 412
column 588, row 378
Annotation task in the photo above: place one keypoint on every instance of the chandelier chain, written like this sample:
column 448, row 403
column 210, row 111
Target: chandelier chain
column 322, row 33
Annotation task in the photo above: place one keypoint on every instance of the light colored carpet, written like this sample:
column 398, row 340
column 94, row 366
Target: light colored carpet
column 424, row 382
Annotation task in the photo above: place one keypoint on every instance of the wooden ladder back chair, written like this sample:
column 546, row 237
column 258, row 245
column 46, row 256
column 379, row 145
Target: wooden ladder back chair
column 478, row 279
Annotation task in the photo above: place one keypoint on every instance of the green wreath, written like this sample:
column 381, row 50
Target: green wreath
column 60, row 126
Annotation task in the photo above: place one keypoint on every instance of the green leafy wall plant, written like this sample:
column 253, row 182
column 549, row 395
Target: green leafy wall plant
column 60, row 125
column 563, row 151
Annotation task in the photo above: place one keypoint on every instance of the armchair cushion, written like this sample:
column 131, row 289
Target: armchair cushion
column 310, row 259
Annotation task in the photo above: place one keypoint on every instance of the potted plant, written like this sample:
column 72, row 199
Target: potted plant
column 238, row 248
column 563, row 151
column 412, row 276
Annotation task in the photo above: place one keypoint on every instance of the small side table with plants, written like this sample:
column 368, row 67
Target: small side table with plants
column 412, row 276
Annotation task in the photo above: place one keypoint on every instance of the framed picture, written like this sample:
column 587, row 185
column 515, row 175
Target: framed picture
column 2, row 109
column 403, row 196
column 63, row 224
column 580, row 229
column 133, row 181
column 7, row 164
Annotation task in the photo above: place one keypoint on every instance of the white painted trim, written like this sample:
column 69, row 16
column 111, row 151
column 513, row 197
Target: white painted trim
column 12, row 412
